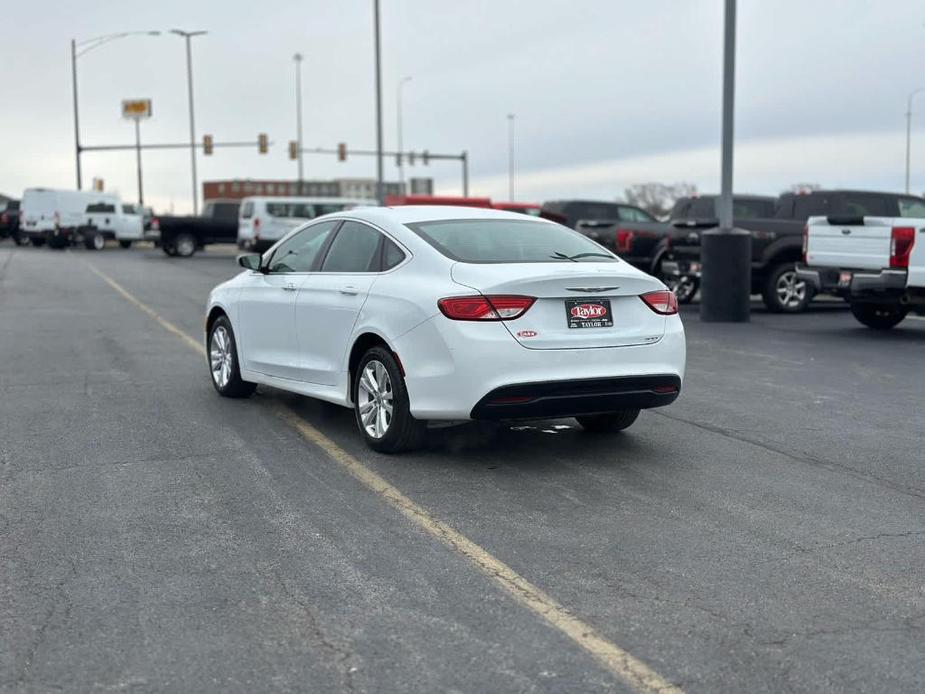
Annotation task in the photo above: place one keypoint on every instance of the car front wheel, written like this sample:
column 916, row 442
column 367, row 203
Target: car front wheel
column 382, row 407
column 223, row 362
column 609, row 423
column 878, row 317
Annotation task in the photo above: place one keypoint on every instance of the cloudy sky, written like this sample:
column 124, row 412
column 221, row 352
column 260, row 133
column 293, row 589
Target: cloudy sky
column 607, row 93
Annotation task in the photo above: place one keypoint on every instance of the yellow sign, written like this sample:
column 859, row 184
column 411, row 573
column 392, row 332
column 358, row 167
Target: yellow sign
column 136, row 108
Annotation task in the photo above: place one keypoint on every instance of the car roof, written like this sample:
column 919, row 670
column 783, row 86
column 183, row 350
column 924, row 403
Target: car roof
column 409, row 214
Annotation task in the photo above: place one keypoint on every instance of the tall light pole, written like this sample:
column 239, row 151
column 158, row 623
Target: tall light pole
column 192, row 122
column 380, row 187
column 78, row 48
column 909, row 131
column 510, row 157
column 298, row 111
column 401, row 153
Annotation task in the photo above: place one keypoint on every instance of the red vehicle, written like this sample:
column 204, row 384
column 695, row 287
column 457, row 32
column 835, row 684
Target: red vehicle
column 397, row 200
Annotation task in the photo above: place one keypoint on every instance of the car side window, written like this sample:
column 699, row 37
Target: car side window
column 392, row 255
column 354, row 249
column 298, row 254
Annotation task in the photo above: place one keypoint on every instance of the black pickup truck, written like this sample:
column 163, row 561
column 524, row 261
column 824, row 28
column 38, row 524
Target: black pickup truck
column 183, row 236
column 777, row 235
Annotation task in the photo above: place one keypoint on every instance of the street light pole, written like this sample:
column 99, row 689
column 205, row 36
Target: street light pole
column 380, row 188
column 510, row 157
column 401, row 151
column 192, row 122
column 298, row 110
column 909, row 132
column 141, row 196
column 89, row 45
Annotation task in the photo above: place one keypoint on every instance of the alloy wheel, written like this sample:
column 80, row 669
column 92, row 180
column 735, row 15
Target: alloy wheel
column 374, row 399
column 220, row 356
column 791, row 290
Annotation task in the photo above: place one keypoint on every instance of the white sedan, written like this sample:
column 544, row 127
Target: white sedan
column 411, row 314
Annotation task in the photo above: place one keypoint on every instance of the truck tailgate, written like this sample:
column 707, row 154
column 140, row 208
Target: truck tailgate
column 864, row 246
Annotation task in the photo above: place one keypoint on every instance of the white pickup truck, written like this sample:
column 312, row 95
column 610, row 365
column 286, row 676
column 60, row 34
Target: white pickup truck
column 877, row 264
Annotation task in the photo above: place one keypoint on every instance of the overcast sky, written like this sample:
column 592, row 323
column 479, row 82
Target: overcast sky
column 606, row 92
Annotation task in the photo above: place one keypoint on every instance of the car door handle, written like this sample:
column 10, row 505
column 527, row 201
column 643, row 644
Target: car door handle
column 349, row 289
column 289, row 287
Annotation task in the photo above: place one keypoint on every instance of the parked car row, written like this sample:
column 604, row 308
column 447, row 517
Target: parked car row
column 61, row 218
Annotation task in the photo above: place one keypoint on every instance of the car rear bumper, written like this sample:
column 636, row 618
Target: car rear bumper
column 454, row 369
column 845, row 282
column 549, row 399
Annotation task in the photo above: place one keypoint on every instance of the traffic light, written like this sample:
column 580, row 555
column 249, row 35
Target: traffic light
column 262, row 144
column 293, row 149
column 410, row 158
column 207, row 144
column 342, row 151
column 425, row 157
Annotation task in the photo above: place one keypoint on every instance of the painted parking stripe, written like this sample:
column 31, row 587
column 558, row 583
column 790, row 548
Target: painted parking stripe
column 635, row 673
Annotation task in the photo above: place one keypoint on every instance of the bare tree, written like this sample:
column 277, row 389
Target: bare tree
column 657, row 198
column 803, row 188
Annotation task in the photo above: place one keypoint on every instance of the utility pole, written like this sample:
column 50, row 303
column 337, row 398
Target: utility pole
column 510, row 157
column 401, row 152
column 380, row 188
column 726, row 252
column 187, row 35
column 909, row 132
column 298, row 109
column 141, row 195
column 76, row 122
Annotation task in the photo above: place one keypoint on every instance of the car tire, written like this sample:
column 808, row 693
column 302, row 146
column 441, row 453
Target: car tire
column 94, row 241
column 37, row 241
column 609, row 423
column 784, row 292
column 222, row 356
column 125, row 244
column 879, row 317
column 21, row 240
column 185, row 245
column 385, row 430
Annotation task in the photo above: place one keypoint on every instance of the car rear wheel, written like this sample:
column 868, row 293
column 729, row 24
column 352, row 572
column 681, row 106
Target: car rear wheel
column 784, row 292
column 382, row 407
column 223, row 362
column 609, row 423
column 879, row 317
column 185, row 245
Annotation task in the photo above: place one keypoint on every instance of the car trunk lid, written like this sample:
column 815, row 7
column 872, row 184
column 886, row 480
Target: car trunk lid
column 572, row 294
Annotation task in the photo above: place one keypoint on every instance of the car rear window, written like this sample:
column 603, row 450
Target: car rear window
column 509, row 241
column 912, row 207
column 753, row 209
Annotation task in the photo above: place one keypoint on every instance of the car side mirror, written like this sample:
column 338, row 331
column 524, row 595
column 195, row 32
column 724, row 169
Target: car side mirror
column 250, row 261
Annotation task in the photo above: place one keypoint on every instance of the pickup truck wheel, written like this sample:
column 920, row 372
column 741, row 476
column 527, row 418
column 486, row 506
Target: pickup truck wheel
column 185, row 245
column 784, row 292
column 878, row 317
column 608, row 423
column 223, row 362
column 94, row 241
column 125, row 244
column 38, row 242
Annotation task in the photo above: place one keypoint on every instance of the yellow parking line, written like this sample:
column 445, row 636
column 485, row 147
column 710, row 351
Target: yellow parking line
column 635, row 673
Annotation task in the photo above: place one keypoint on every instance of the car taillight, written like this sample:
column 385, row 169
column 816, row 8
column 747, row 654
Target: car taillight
column 805, row 242
column 624, row 240
column 901, row 241
column 485, row 307
column 155, row 224
column 661, row 301
column 256, row 227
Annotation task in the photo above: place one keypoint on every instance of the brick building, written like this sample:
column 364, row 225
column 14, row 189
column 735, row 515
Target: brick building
column 235, row 189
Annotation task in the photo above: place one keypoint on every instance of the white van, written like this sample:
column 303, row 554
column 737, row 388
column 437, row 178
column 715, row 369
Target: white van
column 63, row 217
column 262, row 221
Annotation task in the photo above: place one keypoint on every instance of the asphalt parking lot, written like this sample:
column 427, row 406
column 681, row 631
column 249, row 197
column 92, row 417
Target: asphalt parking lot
column 764, row 533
